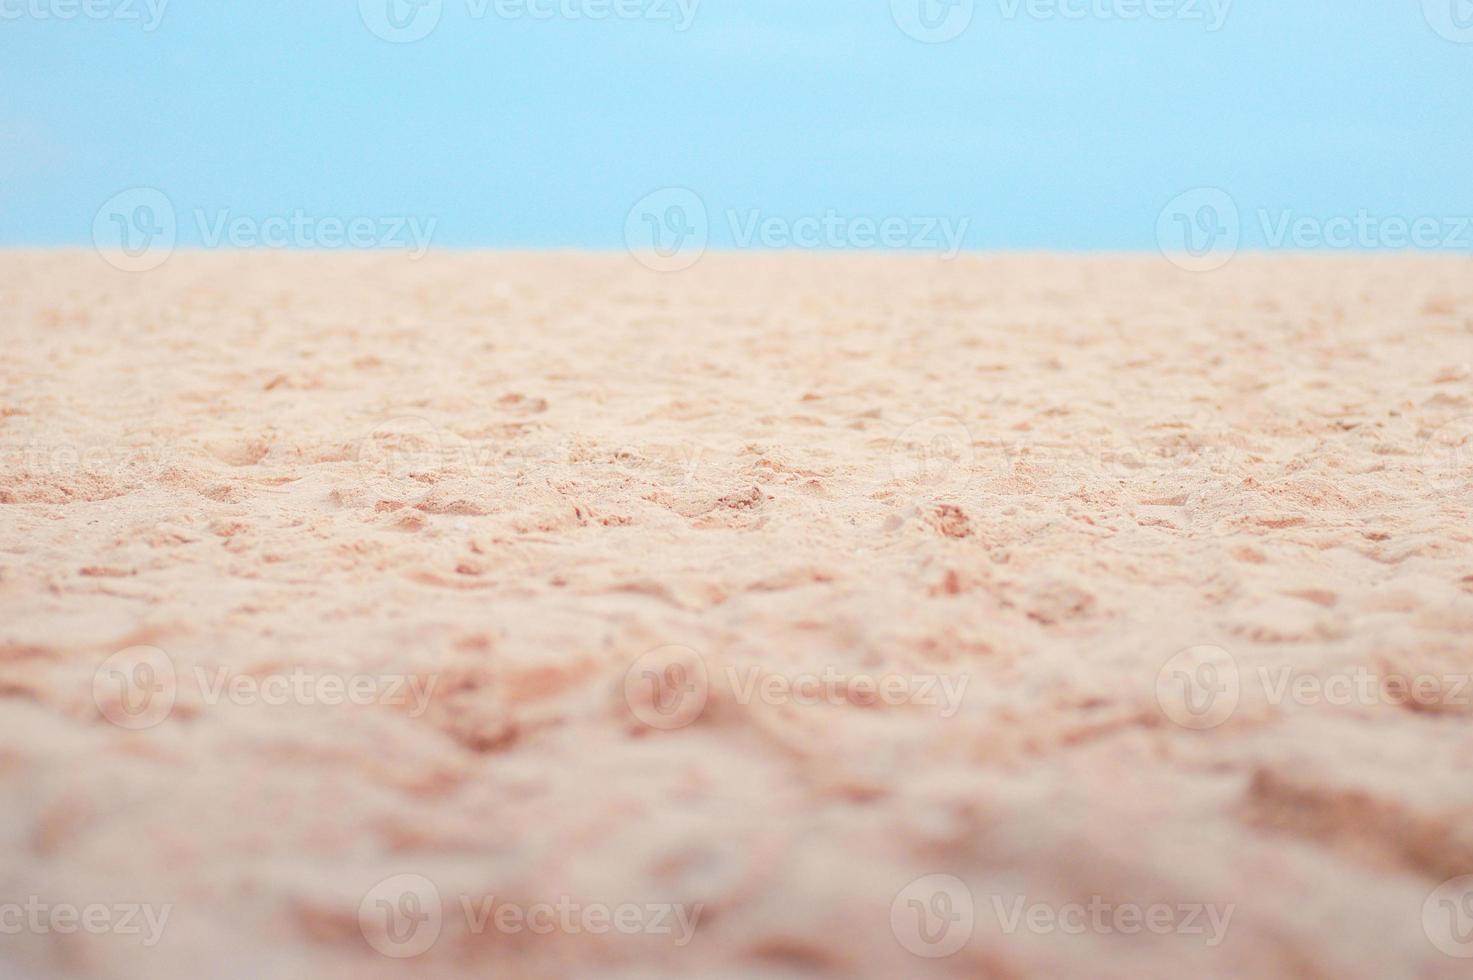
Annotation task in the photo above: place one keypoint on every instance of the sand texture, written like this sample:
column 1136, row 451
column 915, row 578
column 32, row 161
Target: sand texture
column 589, row 537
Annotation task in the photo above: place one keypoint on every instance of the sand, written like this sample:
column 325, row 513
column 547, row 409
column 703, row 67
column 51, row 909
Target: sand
column 878, row 616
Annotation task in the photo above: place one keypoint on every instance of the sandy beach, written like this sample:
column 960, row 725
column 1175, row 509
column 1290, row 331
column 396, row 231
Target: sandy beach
column 540, row 615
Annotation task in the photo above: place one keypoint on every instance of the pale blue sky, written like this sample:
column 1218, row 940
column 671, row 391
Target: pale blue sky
column 1044, row 123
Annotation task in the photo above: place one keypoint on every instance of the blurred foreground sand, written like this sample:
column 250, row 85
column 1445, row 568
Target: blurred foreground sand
column 572, row 531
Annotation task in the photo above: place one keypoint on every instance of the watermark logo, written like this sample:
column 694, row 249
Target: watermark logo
column 672, row 465
column 135, row 230
column 406, row 21
column 1447, row 456
column 402, row 458
column 1199, row 687
column 304, row 687
column 401, row 21
column 401, row 917
column 1206, row 467
column 1452, row 19
column 679, row 13
column 933, row 916
column 299, row 229
column 934, row 456
column 833, row 230
column 1200, row 230
column 1118, row 451
column 1447, row 917
column 1117, row 455
column 135, row 688
column 149, row 13
column 1211, row 13
column 668, row 230
column 933, row 21
column 1364, row 231
column 97, row 919
column 667, row 688
column 1362, row 687
column 62, row 458
column 1215, row 505
column 834, row 687
column 1103, row 918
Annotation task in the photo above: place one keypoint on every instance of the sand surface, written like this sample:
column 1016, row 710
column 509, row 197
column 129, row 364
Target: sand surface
column 777, row 587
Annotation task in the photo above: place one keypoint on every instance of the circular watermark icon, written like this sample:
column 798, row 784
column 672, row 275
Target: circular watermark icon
column 135, row 230
column 934, row 455
column 933, row 916
column 668, row 230
column 1447, row 456
column 1199, row 687
column 933, row 21
column 401, row 21
column 401, row 457
column 1452, row 19
column 1447, row 917
column 667, row 687
column 1200, row 230
column 401, row 917
column 135, row 688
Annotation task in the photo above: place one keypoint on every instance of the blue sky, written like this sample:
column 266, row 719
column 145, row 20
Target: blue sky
column 1058, row 124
